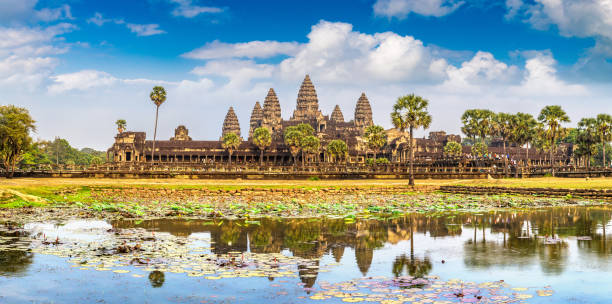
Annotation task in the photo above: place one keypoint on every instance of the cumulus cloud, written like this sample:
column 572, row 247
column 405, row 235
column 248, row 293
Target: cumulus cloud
column 26, row 54
column 18, row 11
column 401, row 8
column 99, row 20
column 53, row 14
column 336, row 53
column 541, row 78
column 145, row 29
column 482, row 70
column 252, row 49
column 187, row 9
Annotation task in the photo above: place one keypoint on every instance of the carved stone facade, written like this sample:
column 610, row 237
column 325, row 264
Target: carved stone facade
column 230, row 123
column 181, row 134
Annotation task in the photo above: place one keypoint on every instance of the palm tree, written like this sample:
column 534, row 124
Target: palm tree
column 231, row 142
column 453, row 148
column 587, row 139
column 523, row 130
column 293, row 138
column 477, row 122
column 502, row 127
column 306, row 130
column 337, row 148
column 552, row 117
column 121, row 125
column 262, row 139
column 410, row 112
column 376, row 137
column 604, row 131
column 158, row 96
column 310, row 145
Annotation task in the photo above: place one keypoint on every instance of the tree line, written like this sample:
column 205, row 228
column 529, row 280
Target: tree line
column 18, row 149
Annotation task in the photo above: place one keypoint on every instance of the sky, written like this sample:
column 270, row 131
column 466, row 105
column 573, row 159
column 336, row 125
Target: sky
column 79, row 65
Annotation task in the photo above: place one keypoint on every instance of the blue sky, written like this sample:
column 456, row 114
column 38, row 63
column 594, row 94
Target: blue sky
column 80, row 65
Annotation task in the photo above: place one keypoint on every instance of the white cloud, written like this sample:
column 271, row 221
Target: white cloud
column 187, row 9
column 336, row 53
column 53, row 14
column 541, row 78
column 401, row 8
column 88, row 79
column 482, row 71
column 239, row 72
column 252, row 49
column 145, row 29
column 98, row 19
column 513, row 6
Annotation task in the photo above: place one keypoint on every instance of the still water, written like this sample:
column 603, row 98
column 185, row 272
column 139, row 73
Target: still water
column 556, row 255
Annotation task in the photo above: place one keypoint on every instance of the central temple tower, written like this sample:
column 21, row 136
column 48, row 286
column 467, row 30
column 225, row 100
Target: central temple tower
column 307, row 102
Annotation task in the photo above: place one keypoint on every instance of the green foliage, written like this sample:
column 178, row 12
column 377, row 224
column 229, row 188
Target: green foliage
column 310, row 144
column 337, row 148
column 410, row 112
column 59, row 151
column 230, row 142
column 587, row 138
column 376, row 137
column 158, row 95
column 15, row 127
column 293, row 138
column 262, row 138
column 382, row 161
column 314, row 178
column 121, row 124
column 480, row 149
column 477, row 122
column 552, row 117
column 453, row 148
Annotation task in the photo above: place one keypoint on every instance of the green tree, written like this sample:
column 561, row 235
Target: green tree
column 553, row 117
column 477, row 122
column 501, row 126
column 376, row 137
column 231, row 142
column 587, row 139
column 293, row 139
column 337, row 148
column 158, row 97
column 306, row 130
column 262, row 139
column 480, row 149
column 310, row 145
column 453, row 148
column 96, row 160
column 604, row 131
column 523, row 130
column 410, row 112
column 121, row 125
column 15, row 127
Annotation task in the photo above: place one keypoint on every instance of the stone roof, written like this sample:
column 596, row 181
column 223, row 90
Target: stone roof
column 230, row 124
column 337, row 114
column 363, row 112
column 271, row 108
column 307, row 101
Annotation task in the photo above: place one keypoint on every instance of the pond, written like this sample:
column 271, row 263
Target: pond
column 553, row 255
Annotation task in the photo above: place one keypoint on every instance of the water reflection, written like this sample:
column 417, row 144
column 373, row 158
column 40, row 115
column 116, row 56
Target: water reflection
column 157, row 278
column 544, row 238
column 14, row 262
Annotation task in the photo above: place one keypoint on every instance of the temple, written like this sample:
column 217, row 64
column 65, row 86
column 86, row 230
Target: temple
column 181, row 148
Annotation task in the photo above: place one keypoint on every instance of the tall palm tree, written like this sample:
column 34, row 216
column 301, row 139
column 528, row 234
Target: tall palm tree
column 376, row 137
column 523, row 130
column 477, row 122
column 552, row 117
column 502, row 127
column 231, row 142
column 604, row 130
column 306, row 130
column 262, row 139
column 121, row 124
column 310, row 145
column 293, row 138
column 410, row 112
column 337, row 148
column 158, row 96
column 587, row 139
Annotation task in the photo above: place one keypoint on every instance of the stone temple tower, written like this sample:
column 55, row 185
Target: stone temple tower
column 271, row 111
column 256, row 118
column 307, row 102
column 337, row 115
column 363, row 112
column 230, row 124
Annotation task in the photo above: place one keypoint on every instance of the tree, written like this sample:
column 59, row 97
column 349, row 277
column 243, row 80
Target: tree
column 477, row 122
column 587, row 139
column 306, row 130
column 158, row 96
column 293, row 139
column 121, row 125
column 480, row 149
column 523, row 130
column 96, row 160
column 502, row 127
column 552, row 117
column 15, row 127
column 604, row 131
column 376, row 137
column 337, row 148
column 231, row 142
column 310, row 145
column 262, row 139
column 410, row 112
column 453, row 148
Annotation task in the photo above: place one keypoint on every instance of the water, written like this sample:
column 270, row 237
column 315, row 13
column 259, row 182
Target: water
column 566, row 250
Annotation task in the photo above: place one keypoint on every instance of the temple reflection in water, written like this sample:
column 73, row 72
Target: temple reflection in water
column 491, row 239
